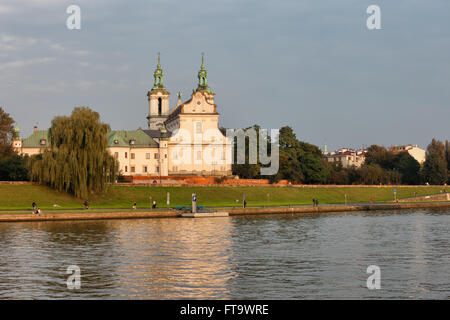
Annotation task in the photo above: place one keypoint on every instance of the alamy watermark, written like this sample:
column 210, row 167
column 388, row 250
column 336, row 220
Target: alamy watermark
column 74, row 280
column 374, row 280
column 374, row 20
column 73, row 22
column 210, row 147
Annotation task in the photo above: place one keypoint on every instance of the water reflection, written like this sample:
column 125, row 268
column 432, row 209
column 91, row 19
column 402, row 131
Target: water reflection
column 36, row 256
column 255, row 257
column 175, row 258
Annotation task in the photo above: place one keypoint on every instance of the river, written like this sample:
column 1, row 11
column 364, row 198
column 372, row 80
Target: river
column 315, row 256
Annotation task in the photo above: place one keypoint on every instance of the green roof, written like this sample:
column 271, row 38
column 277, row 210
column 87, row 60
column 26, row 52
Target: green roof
column 124, row 138
column 34, row 141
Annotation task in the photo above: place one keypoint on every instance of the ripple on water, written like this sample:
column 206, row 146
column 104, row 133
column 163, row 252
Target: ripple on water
column 266, row 257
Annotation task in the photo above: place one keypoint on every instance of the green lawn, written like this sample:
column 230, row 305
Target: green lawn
column 20, row 197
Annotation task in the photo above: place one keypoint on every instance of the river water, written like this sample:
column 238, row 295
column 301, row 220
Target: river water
column 316, row 256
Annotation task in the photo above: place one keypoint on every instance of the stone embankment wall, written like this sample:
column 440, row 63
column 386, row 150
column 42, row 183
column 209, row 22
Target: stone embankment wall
column 433, row 197
column 5, row 217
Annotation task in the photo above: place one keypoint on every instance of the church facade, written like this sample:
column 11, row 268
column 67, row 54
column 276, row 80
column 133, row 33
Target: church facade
column 184, row 140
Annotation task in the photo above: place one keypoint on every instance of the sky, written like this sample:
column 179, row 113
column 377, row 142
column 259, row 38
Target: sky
column 312, row 64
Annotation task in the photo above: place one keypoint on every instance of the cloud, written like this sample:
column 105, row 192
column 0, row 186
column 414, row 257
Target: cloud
column 11, row 43
column 24, row 63
column 65, row 50
column 5, row 9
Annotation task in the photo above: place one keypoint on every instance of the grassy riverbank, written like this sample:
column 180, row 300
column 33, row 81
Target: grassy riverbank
column 20, row 197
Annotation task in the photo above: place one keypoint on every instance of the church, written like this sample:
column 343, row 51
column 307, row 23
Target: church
column 184, row 140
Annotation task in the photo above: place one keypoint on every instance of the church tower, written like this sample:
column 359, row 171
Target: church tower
column 158, row 100
column 203, row 78
column 17, row 141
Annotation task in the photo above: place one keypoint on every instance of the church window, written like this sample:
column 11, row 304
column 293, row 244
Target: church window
column 133, row 169
column 159, row 106
column 126, row 169
column 198, row 127
column 147, row 156
column 126, row 155
column 145, row 169
column 156, row 156
column 133, row 156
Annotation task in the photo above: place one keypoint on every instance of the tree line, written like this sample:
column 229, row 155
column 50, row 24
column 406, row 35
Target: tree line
column 12, row 166
column 301, row 162
column 392, row 167
column 77, row 159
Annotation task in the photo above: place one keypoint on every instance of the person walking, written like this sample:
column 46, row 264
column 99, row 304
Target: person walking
column 314, row 202
column 86, row 205
column 34, row 207
column 134, row 206
column 245, row 203
column 154, row 204
column 317, row 202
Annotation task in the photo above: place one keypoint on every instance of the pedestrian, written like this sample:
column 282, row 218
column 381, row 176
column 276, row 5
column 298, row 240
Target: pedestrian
column 245, row 203
column 154, row 204
column 134, row 206
column 86, row 205
column 371, row 199
column 317, row 202
column 34, row 206
column 314, row 202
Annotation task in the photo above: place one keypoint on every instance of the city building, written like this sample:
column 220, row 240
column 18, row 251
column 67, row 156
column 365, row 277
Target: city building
column 184, row 141
column 346, row 157
column 414, row 150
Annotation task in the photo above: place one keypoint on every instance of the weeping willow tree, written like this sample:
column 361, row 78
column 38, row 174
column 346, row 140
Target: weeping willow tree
column 77, row 160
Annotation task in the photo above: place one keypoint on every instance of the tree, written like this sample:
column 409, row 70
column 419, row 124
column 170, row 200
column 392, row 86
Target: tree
column 290, row 168
column 300, row 161
column 408, row 167
column 338, row 174
column 247, row 170
column 6, row 134
column 380, row 156
column 313, row 168
column 401, row 162
column 78, row 160
column 447, row 154
column 14, row 168
column 435, row 166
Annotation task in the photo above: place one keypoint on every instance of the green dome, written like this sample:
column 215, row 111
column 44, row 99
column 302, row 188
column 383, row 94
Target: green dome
column 17, row 131
column 158, row 75
column 203, row 78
